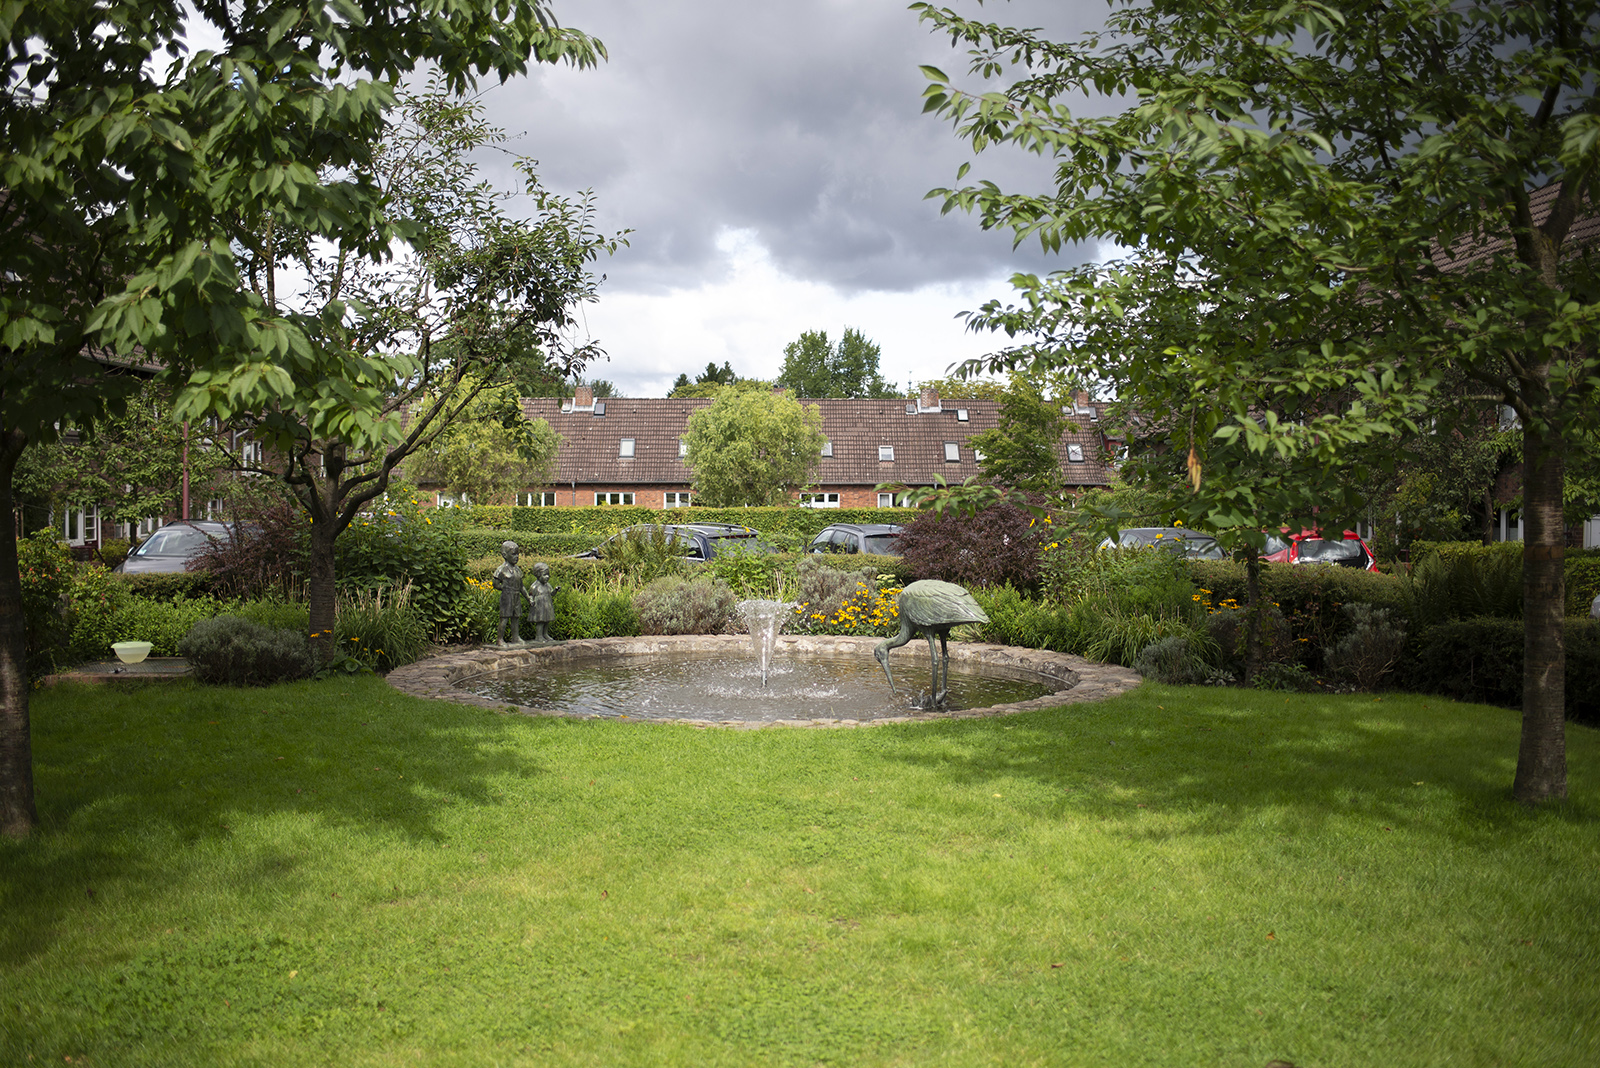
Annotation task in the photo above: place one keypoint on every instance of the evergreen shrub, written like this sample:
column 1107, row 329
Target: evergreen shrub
column 1370, row 650
column 1309, row 596
column 677, row 605
column 1174, row 661
column 234, row 651
column 46, row 571
column 1015, row 619
column 600, row 613
column 1482, row 659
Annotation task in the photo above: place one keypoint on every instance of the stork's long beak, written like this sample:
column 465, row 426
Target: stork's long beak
column 883, row 658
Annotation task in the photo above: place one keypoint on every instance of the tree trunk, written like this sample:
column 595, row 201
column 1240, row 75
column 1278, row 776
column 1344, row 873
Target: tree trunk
column 1253, row 613
column 320, row 589
column 1542, row 754
column 18, row 817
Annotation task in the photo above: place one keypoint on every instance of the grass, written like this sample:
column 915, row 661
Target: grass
column 331, row 872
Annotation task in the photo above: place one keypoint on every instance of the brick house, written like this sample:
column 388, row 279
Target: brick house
column 618, row 450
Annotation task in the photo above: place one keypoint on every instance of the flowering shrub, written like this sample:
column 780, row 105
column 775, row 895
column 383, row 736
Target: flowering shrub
column 866, row 609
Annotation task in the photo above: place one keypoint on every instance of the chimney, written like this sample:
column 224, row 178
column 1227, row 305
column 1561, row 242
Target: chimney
column 1081, row 398
column 929, row 401
column 583, row 397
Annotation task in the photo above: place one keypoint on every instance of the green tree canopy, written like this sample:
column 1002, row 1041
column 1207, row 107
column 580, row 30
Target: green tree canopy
column 490, row 452
column 753, row 447
column 1325, row 205
column 139, row 177
column 814, row 367
column 1020, row 453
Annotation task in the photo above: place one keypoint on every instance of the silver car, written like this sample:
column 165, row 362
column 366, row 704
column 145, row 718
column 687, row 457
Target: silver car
column 172, row 546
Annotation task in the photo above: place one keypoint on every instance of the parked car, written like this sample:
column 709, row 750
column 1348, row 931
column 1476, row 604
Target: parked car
column 701, row 541
column 1181, row 540
column 1310, row 547
column 169, row 550
column 880, row 538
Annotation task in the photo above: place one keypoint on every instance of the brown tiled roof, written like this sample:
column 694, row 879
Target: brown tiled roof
column 1584, row 232
column 591, row 444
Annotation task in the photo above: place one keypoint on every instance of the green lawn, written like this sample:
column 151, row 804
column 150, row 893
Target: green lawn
column 331, row 873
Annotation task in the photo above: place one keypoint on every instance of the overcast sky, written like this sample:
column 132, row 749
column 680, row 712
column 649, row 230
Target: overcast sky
column 771, row 157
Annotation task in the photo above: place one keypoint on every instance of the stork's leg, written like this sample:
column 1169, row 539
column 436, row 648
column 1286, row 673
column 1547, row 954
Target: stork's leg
column 933, row 678
column 944, row 669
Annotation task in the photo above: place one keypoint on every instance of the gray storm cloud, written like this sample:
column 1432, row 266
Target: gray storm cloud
column 800, row 122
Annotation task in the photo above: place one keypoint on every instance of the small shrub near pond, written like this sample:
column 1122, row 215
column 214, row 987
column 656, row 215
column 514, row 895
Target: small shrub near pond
column 234, row 651
column 379, row 628
column 676, row 605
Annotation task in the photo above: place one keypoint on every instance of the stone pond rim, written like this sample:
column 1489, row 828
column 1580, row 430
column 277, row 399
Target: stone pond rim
column 1079, row 680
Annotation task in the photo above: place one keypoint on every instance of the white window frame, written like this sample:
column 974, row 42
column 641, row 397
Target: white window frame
column 613, row 498
column 676, row 499
column 451, row 500
column 627, row 447
column 819, row 500
column 683, row 448
column 962, row 415
column 886, row 454
column 892, row 500
column 79, row 526
column 952, row 452
column 827, row 448
column 537, row 499
column 1075, row 454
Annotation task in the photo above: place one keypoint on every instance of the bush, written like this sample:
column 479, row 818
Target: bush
column 378, row 629
column 46, row 571
column 673, row 605
column 646, row 554
column 95, row 599
column 1174, row 661
column 1583, row 582
column 1370, row 651
column 1442, row 587
column 162, row 623
column 823, row 589
column 1309, row 596
column 402, row 544
column 603, row 613
column 266, row 556
column 159, row 587
column 1286, row 678
column 112, row 551
column 481, row 541
column 279, row 614
column 999, row 546
column 1016, row 620
column 1481, row 660
column 1228, row 628
column 1101, row 630
column 237, row 652
column 801, row 524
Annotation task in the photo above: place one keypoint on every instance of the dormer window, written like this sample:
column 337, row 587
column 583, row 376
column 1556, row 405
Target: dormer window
column 886, row 453
column 625, row 448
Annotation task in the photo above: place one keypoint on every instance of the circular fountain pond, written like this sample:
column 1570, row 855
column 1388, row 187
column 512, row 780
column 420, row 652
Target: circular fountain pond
column 717, row 680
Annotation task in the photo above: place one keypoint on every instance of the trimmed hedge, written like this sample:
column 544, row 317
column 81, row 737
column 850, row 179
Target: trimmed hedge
column 602, row 522
column 570, row 573
column 1481, row 660
column 1309, row 597
column 483, row 541
column 153, row 587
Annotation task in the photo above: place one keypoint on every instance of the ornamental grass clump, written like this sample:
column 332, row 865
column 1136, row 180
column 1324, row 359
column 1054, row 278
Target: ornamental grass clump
column 379, row 628
column 672, row 605
column 234, row 651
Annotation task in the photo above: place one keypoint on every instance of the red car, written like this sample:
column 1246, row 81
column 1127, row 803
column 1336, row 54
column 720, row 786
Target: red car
column 1310, row 547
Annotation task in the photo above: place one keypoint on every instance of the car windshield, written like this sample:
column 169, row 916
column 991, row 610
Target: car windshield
column 1275, row 544
column 1320, row 551
column 883, row 544
column 176, row 541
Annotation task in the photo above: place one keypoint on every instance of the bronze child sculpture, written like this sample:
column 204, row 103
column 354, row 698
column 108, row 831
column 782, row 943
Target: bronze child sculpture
column 542, row 602
column 507, row 578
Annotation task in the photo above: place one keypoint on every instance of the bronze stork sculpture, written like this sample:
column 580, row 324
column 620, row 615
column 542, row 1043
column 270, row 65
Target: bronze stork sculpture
column 930, row 608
